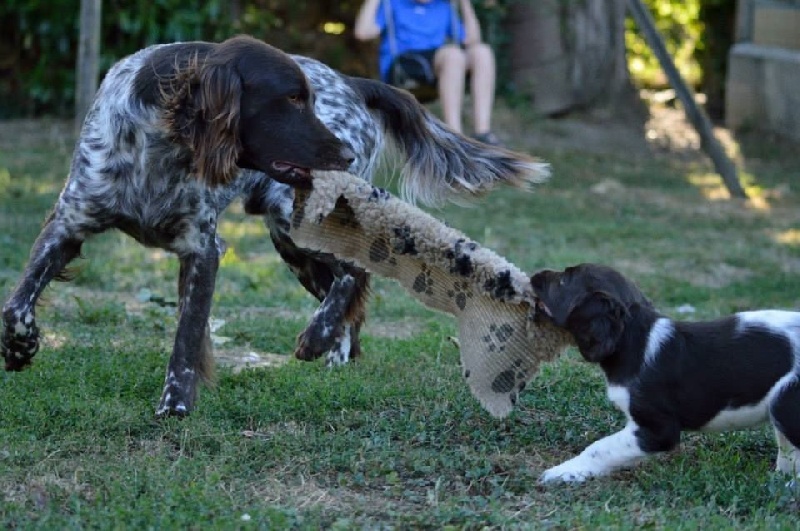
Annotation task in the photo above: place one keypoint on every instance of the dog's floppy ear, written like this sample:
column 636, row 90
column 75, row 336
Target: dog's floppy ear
column 597, row 321
column 203, row 111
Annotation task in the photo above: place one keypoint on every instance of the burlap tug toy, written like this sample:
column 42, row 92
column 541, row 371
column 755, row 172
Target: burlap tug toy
column 501, row 346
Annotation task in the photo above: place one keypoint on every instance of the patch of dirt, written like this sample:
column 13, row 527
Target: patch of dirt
column 241, row 359
column 719, row 205
column 393, row 329
column 665, row 130
column 39, row 489
column 306, row 492
column 268, row 312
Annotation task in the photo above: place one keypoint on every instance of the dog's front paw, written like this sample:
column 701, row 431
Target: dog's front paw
column 178, row 397
column 19, row 344
column 569, row 472
column 172, row 405
column 326, row 330
column 313, row 342
column 345, row 348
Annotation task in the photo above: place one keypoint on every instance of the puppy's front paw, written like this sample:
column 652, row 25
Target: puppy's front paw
column 568, row 472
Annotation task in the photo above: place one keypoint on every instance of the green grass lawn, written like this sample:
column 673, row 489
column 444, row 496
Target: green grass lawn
column 394, row 440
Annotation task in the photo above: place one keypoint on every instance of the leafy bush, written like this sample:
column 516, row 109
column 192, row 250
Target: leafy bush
column 39, row 40
column 698, row 35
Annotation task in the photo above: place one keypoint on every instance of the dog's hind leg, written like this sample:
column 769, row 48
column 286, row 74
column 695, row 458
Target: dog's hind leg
column 191, row 357
column 55, row 247
column 785, row 413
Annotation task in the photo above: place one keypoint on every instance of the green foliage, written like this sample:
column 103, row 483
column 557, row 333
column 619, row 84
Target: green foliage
column 698, row 35
column 38, row 40
column 90, row 313
column 37, row 55
column 679, row 24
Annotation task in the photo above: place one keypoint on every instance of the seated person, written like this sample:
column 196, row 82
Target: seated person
column 432, row 28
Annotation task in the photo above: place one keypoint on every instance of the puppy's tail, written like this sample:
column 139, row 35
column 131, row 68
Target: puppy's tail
column 440, row 163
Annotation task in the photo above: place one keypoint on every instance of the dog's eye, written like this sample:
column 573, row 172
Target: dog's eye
column 296, row 99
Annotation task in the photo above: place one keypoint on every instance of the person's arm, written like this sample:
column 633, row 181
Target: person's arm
column 472, row 28
column 366, row 27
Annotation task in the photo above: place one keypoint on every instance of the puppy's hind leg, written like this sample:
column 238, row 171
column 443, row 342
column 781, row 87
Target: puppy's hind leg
column 55, row 247
column 788, row 461
column 785, row 414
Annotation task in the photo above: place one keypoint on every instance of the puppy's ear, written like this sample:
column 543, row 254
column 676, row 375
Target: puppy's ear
column 203, row 110
column 597, row 322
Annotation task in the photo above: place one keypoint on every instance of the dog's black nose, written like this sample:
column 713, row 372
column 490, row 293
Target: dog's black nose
column 347, row 154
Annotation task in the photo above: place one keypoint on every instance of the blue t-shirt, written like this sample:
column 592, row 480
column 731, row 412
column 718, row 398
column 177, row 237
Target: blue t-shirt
column 417, row 26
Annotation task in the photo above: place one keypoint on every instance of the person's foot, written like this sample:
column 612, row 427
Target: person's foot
column 488, row 138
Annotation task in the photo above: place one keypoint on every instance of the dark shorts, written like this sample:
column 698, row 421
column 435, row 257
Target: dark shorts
column 426, row 55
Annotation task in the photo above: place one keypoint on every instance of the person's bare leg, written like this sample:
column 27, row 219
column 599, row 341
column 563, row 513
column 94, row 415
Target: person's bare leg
column 481, row 63
column 450, row 64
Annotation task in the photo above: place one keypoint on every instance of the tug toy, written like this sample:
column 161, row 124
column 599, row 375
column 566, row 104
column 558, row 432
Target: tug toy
column 491, row 299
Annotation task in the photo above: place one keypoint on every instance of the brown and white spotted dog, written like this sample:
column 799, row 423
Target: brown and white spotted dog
column 159, row 157
column 438, row 163
column 178, row 131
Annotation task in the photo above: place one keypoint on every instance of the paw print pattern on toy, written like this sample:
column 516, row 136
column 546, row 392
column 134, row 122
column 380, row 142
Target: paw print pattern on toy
column 424, row 281
column 498, row 336
column 403, row 241
column 379, row 250
column 460, row 293
column 379, row 195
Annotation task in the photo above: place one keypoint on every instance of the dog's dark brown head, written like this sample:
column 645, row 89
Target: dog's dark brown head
column 241, row 103
column 590, row 301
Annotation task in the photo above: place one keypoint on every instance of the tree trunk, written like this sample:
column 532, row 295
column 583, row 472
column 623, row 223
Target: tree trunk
column 568, row 54
column 88, row 58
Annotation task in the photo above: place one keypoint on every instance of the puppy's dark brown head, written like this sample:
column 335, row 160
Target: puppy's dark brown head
column 590, row 301
column 241, row 103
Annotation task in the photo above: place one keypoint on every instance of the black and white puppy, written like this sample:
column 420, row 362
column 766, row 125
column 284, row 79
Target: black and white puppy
column 670, row 376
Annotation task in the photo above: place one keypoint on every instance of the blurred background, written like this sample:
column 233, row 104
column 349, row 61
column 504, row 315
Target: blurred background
column 554, row 56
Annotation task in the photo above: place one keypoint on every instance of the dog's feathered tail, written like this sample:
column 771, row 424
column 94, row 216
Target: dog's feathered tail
column 440, row 163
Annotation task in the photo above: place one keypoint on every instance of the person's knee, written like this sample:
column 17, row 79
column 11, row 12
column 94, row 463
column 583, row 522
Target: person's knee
column 480, row 56
column 450, row 58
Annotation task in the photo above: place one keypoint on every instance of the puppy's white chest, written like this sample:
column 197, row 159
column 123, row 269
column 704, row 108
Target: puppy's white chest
column 621, row 398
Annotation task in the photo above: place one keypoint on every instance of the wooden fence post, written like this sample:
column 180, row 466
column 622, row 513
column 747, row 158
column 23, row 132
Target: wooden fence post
column 88, row 58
